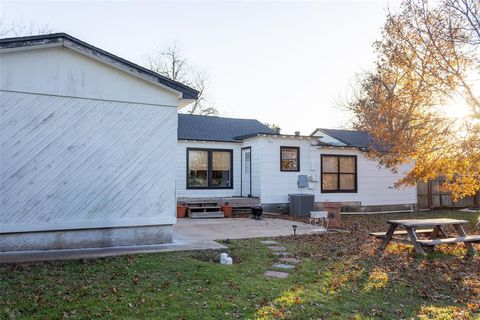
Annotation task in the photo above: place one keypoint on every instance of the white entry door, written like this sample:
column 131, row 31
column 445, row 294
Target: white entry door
column 246, row 172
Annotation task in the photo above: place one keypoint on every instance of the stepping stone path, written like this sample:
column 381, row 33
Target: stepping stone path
column 281, row 253
column 283, row 266
column 289, row 260
column 276, row 274
column 268, row 242
column 285, row 262
column 277, row 248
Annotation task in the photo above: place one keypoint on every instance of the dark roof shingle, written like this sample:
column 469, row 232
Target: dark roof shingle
column 210, row 128
column 352, row 138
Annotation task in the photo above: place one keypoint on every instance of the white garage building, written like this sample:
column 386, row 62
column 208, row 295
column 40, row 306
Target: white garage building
column 87, row 142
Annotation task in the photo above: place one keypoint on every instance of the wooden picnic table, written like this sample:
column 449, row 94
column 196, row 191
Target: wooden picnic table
column 411, row 226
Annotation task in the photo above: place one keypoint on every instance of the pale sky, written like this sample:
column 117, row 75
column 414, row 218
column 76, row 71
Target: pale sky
column 288, row 63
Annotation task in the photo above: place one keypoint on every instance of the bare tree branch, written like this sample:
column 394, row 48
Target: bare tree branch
column 171, row 63
column 14, row 29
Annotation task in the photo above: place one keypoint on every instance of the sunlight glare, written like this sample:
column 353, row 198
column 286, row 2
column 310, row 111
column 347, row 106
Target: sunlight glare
column 458, row 109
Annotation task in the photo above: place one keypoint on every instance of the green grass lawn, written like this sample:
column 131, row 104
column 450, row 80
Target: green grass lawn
column 339, row 278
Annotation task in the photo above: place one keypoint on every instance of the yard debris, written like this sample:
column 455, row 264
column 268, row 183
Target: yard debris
column 446, row 275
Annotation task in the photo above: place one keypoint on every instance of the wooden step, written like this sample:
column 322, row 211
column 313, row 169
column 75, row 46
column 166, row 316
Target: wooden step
column 204, row 208
column 201, row 204
column 474, row 238
column 400, row 232
column 206, row 215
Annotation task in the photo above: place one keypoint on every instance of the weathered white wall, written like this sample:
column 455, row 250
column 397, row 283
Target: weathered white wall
column 181, row 169
column 61, row 71
column 276, row 184
column 71, row 163
column 374, row 184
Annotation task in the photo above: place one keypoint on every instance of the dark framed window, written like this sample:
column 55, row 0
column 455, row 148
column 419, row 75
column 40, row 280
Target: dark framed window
column 339, row 173
column 289, row 159
column 209, row 168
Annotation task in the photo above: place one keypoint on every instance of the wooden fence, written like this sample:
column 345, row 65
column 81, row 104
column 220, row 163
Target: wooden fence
column 429, row 197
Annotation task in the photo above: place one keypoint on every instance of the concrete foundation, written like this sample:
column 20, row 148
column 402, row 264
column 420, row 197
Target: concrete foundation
column 86, row 238
column 347, row 207
column 380, row 208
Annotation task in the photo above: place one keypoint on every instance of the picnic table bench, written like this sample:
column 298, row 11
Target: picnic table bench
column 411, row 226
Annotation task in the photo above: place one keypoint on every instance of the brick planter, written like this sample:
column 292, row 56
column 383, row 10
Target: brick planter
column 333, row 209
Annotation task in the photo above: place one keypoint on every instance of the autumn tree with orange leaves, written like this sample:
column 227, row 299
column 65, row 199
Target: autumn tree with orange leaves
column 427, row 68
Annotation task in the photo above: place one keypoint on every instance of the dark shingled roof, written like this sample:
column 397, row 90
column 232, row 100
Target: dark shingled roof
column 209, row 128
column 352, row 138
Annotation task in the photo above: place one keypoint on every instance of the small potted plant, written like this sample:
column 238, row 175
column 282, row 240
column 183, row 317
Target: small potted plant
column 227, row 210
column 181, row 210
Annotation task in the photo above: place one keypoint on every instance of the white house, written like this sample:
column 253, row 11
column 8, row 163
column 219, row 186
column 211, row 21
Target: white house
column 93, row 154
column 223, row 157
column 87, row 142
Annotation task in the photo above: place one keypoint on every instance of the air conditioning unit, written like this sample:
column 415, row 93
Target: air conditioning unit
column 301, row 204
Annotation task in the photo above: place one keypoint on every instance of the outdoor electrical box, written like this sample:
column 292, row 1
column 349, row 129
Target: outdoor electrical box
column 302, row 181
column 301, row 204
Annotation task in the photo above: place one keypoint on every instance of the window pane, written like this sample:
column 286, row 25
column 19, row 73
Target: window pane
column 221, row 169
column 289, row 165
column 330, row 164
column 289, row 153
column 347, row 165
column 347, row 182
column 289, row 157
column 329, row 182
column 221, row 160
column 247, row 162
column 197, row 168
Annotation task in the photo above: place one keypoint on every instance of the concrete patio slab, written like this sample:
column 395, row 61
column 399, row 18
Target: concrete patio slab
column 236, row 228
column 189, row 234
column 70, row 254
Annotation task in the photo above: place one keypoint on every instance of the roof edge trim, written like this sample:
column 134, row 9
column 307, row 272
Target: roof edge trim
column 66, row 40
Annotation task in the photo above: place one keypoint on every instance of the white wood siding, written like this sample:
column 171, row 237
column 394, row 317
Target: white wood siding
column 75, row 163
column 276, row 185
column 181, row 169
column 375, row 185
column 61, row 71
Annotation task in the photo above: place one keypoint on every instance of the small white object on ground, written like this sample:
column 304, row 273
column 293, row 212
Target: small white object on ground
column 229, row 260
column 223, row 257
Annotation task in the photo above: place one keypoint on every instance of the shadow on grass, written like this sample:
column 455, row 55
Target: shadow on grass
column 352, row 290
